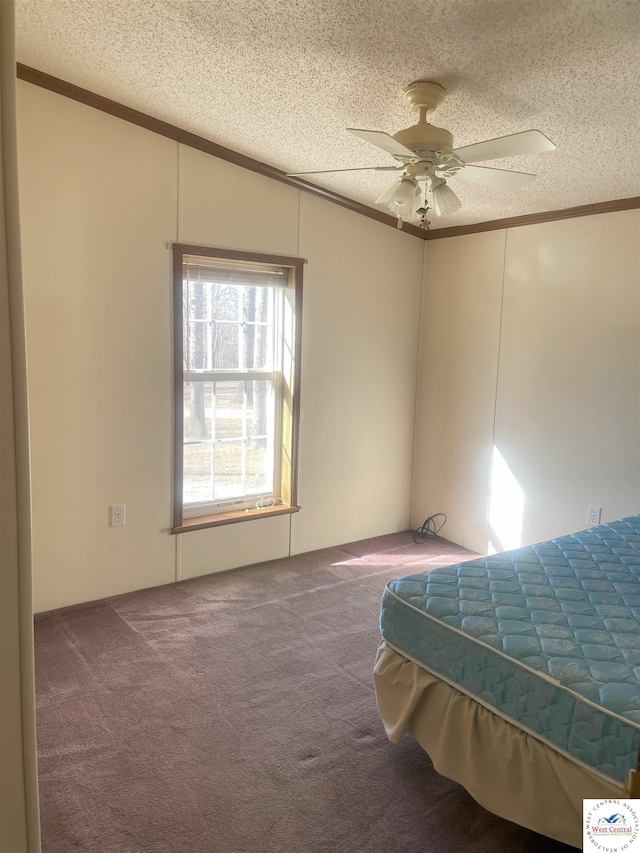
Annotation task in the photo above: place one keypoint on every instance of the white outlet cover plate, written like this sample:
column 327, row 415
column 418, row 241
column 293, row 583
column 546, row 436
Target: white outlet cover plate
column 594, row 514
column 117, row 515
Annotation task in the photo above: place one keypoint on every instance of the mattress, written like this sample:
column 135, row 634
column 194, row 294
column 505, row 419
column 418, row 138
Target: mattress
column 547, row 637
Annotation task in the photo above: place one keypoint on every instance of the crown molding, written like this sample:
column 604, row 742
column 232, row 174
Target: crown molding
column 98, row 102
column 535, row 218
column 163, row 128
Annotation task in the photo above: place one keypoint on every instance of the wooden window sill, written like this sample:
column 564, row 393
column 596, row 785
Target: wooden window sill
column 220, row 518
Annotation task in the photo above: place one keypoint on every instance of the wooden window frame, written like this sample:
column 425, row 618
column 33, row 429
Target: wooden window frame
column 180, row 523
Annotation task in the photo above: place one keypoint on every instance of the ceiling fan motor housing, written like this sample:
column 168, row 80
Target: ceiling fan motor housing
column 423, row 138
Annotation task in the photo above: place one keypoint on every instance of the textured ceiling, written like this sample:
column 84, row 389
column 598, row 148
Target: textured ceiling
column 280, row 80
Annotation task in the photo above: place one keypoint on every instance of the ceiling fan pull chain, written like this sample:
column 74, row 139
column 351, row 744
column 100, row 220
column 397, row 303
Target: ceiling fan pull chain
column 423, row 211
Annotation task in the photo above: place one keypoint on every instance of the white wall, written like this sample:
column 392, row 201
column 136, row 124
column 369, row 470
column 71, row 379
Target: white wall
column 532, row 347
column 530, row 344
column 19, row 812
column 460, row 340
column 100, row 200
column 568, row 402
column 361, row 323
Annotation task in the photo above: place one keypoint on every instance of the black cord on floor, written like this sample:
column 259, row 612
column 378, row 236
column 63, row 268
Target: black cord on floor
column 430, row 527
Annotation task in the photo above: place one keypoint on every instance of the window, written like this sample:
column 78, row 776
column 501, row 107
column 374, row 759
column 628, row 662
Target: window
column 237, row 361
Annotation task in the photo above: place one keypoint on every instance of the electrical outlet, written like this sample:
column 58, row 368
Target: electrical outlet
column 593, row 515
column 117, row 515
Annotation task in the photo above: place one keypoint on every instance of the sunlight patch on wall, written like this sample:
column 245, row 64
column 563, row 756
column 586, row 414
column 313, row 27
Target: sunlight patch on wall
column 506, row 508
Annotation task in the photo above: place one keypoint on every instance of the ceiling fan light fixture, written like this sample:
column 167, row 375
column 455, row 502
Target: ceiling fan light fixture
column 445, row 201
column 402, row 197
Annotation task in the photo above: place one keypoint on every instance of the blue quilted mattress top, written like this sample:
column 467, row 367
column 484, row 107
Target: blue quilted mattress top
column 547, row 636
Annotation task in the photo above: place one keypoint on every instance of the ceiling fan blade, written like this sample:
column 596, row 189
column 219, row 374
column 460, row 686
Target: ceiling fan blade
column 357, row 169
column 527, row 142
column 488, row 177
column 384, row 141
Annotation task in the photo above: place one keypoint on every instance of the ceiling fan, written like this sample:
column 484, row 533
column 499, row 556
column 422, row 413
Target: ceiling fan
column 425, row 153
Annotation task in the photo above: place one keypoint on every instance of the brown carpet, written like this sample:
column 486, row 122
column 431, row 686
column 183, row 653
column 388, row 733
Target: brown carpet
column 236, row 714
